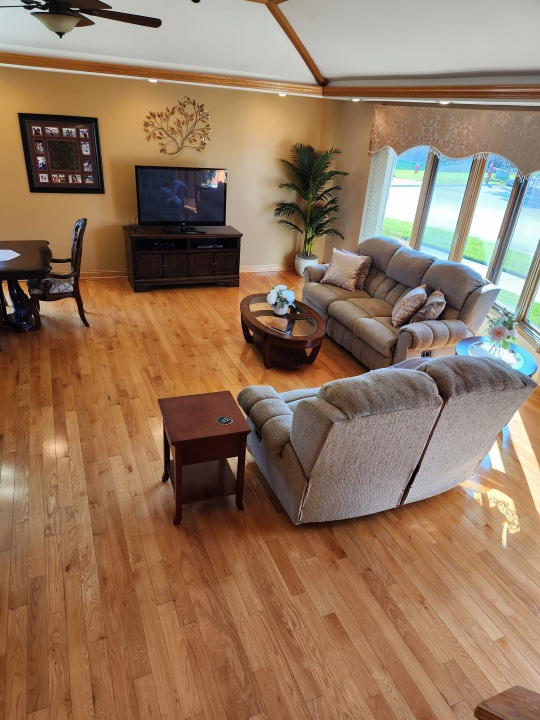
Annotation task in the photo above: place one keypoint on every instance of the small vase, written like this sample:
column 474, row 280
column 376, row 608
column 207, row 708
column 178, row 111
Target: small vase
column 495, row 349
column 280, row 308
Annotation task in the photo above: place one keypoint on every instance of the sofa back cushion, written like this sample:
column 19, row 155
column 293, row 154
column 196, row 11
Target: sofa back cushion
column 375, row 393
column 381, row 251
column 382, row 423
column 408, row 267
column 480, row 396
column 455, row 280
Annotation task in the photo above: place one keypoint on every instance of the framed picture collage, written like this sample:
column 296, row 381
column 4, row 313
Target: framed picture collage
column 62, row 153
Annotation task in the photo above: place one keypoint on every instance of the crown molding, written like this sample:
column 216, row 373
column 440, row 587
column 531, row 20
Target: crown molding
column 521, row 92
column 132, row 71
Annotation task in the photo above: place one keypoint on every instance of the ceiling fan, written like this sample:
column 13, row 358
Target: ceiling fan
column 61, row 16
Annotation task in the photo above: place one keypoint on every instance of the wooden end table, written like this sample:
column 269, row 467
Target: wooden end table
column 284, row 339
column 516, row 703
column 201, row 432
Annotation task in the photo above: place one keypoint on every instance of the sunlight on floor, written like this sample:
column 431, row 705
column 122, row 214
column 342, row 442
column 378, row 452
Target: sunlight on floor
column 528, row 460
column 495, row 458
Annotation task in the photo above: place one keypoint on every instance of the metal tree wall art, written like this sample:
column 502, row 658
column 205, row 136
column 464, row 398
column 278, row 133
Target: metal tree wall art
column 184, row 125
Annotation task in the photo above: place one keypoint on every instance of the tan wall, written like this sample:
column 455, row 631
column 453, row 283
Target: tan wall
column 351, row 135
column 251, row 131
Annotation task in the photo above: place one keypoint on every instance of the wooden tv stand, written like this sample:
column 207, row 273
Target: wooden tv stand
column 157, row 258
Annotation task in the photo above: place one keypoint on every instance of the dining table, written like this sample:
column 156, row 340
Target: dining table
column 21, row 260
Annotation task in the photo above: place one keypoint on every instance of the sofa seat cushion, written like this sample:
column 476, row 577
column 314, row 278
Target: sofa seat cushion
column 322, row 295
column 378, row 333
column 347, row 312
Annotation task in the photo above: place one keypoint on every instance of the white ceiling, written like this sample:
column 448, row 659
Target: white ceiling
column 350, row 41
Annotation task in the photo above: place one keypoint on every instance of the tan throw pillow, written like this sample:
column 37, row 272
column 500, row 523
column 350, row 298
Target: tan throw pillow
column 432, row 308
column 343, row 269
column 409, row 304
column 362, row 270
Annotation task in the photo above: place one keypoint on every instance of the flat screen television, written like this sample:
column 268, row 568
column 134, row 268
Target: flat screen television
column 181, row 198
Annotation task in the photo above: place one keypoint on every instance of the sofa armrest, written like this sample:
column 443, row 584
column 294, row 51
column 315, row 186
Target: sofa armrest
column 314, row 273
column 428, row 335
column 253, row 394
column 269, row 415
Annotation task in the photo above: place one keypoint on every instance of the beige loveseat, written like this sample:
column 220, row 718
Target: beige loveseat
column 361, row 320
column 376, row 441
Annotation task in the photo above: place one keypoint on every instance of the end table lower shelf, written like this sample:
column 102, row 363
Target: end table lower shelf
column 206, row 480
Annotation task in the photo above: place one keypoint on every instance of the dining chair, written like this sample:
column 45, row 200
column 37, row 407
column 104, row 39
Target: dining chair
column 57, row 286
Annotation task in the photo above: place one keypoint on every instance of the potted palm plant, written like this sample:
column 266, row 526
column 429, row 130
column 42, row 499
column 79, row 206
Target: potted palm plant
column 312, row 216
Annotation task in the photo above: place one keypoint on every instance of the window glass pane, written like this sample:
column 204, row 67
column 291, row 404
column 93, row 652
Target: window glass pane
column 499, row 176
column 404, row 192
column 450, row 184
column 522, row 246
column 534, row 314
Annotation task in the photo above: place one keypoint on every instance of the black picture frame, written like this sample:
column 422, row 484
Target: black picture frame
column 62, row 153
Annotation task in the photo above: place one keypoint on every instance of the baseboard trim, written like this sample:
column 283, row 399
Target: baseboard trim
column 276, row 267
column 112, row 274
column 103, row 274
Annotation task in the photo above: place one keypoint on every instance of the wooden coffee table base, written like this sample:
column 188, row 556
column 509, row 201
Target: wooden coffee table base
column 293, row 342
column 197, row 434
column 274, row 351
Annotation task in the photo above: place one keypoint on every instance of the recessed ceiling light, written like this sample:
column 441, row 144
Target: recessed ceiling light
column 152, row 80
column 282, row 94
column 443, row 102
column 356, row 99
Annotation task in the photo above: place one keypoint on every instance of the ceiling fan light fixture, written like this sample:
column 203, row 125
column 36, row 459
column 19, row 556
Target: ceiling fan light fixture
column 59, row 23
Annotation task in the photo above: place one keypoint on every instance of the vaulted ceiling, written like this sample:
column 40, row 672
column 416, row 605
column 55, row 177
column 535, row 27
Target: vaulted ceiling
column 462, row 50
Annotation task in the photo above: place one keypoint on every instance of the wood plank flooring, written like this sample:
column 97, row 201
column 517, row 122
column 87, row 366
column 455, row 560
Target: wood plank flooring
column 107, row 610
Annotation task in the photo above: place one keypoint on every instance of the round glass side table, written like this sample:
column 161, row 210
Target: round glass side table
column 515, row 356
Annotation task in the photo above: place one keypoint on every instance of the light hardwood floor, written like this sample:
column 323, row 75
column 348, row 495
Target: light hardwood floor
column 109, row 611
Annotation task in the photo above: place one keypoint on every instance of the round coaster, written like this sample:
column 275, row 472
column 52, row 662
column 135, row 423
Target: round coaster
column 224, row 420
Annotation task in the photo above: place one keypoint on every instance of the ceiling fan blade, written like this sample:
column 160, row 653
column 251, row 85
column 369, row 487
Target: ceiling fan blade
column 88, row 5
column 85, row 22
column 125, row 17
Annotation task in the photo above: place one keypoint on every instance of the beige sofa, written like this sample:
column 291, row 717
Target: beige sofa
column 376, row 441
column 360, row 320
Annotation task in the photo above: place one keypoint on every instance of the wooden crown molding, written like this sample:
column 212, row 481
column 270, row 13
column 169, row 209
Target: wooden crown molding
column 438, row 92
column 493, row 93
column 130, row 71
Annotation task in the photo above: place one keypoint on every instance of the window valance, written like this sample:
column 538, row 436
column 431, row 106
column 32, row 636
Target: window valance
column 459, row 132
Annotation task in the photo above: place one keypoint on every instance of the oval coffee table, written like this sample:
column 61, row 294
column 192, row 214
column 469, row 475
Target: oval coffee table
column 282, row 339
column 515, row 356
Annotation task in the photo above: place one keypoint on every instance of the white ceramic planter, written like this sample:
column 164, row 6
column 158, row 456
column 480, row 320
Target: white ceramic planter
column 301, row 263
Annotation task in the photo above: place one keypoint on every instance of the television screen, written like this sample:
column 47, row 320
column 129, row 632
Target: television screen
column 181, row 197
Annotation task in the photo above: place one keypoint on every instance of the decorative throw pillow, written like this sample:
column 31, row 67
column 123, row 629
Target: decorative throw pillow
column 409, row 304
column 432, row 308
column 343, row 269
column 363, row 271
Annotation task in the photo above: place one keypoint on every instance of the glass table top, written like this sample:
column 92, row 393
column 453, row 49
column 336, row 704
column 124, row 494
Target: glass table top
column 512, row 356
column 297, row 322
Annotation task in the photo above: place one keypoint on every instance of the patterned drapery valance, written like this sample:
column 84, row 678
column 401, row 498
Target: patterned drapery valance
column 458, row 132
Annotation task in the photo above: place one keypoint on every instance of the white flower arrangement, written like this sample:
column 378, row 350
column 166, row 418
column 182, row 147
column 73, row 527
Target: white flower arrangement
column 280, row 296
column 502, row 329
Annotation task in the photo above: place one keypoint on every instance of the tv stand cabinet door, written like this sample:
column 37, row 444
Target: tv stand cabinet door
column 148, row 265
column 226, row 263
column 201, row 263
column 175, row 265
